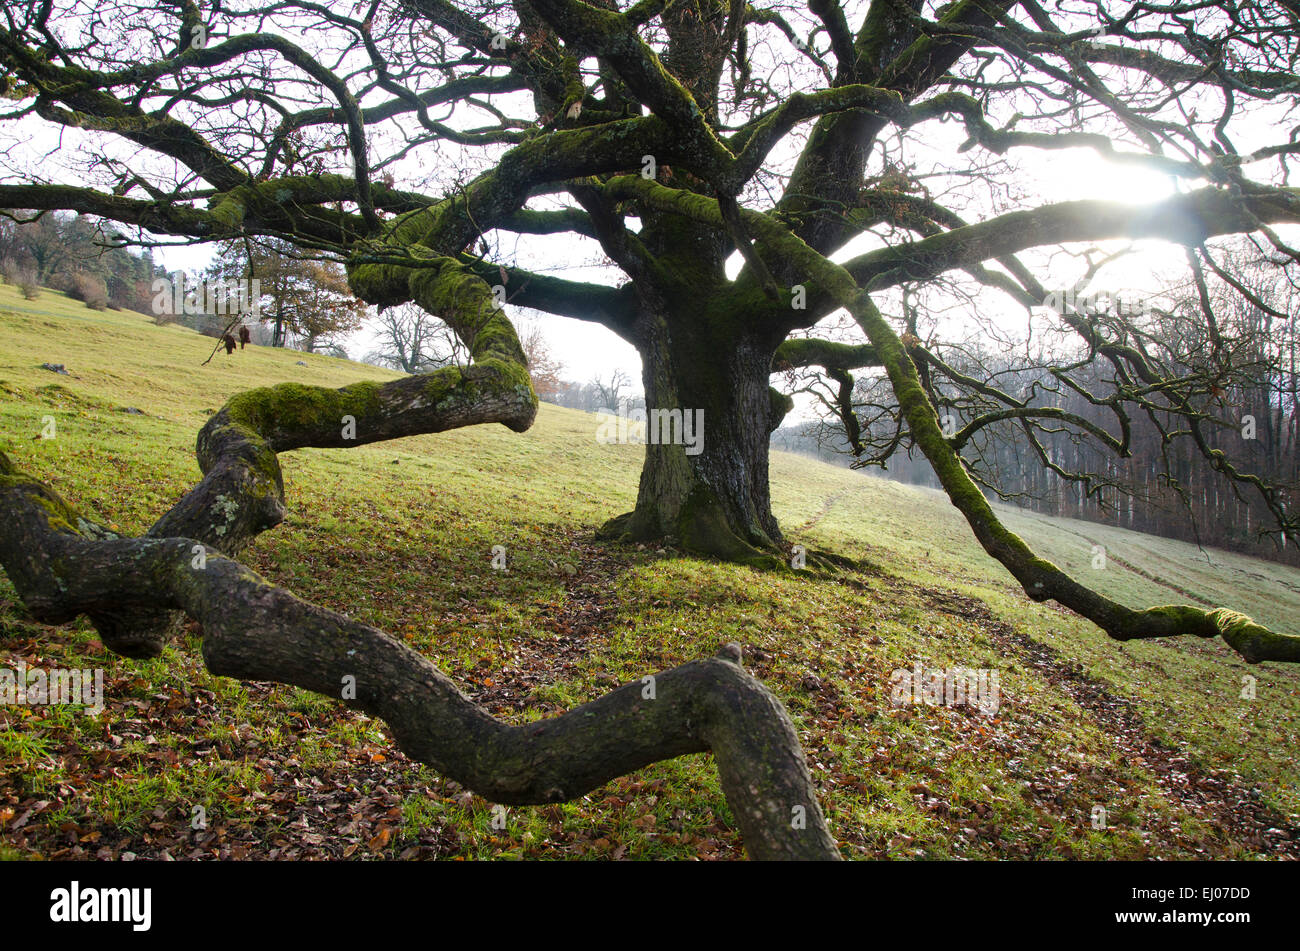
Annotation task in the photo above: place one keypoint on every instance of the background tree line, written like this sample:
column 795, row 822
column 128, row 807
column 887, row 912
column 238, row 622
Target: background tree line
column 305, row 301
column 76, row 254
column 1240, row 375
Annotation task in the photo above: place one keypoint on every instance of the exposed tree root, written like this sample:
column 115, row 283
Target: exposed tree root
column 704, row 531
column 62, row 566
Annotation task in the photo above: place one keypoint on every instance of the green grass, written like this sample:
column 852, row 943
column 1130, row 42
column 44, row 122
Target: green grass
column 400, row 535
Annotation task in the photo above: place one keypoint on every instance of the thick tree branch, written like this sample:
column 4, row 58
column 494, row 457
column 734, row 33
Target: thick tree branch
column 1186, row 219
column 811, row 351
column 610, row 307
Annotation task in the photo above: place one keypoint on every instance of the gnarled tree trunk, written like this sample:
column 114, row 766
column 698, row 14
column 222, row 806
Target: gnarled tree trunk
column 711, row 496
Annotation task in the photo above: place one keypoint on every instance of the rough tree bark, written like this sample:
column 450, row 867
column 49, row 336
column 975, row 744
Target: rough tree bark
column 712, row 497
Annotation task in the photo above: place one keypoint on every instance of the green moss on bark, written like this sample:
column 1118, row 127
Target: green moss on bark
column 61, row 516
column 290, row 405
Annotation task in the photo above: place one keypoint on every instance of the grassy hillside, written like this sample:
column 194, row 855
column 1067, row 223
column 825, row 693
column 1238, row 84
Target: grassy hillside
column 400, row 535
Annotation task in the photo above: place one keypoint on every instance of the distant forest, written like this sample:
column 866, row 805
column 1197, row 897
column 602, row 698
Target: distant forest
column 1166, row 485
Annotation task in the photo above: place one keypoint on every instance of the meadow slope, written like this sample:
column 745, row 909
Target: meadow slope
column 399, row 535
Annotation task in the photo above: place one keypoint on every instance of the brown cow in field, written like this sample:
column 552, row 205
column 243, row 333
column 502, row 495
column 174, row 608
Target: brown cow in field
column 229, row 341
column 244, row 336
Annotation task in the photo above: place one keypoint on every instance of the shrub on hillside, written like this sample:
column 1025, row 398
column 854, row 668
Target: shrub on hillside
column 90, row 290
column 27, row 284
